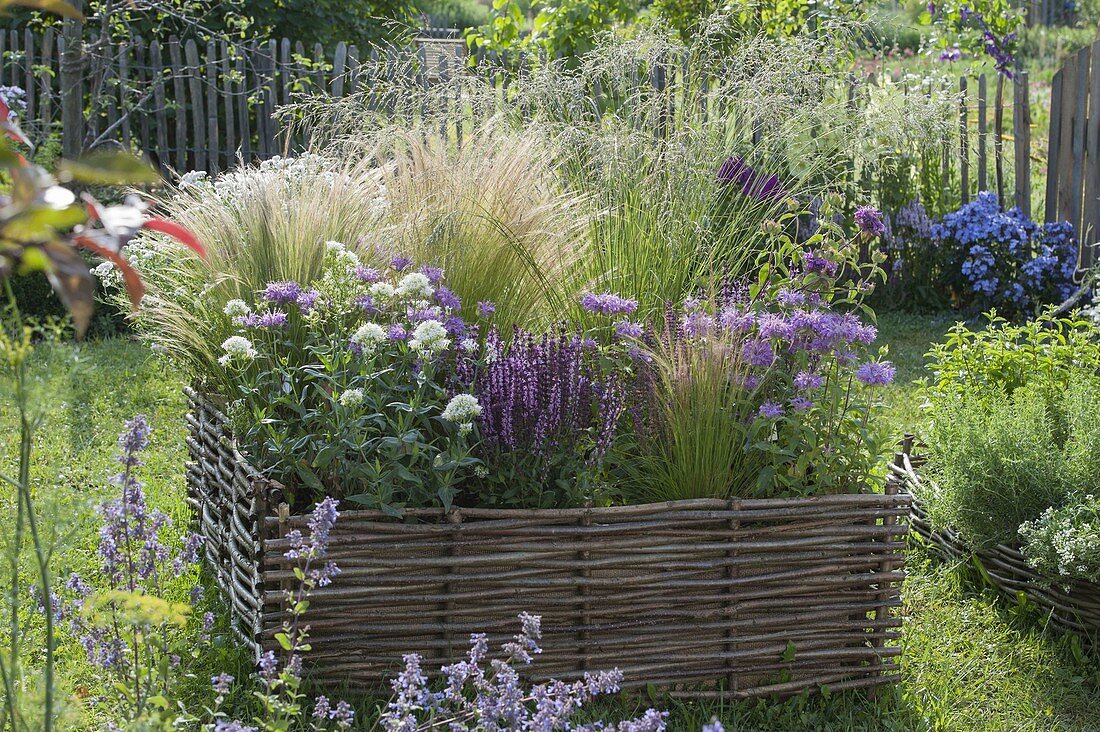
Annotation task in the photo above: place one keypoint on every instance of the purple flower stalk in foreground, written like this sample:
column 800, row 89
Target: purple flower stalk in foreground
column 876, row 373
column 869, row 220
column 486, row 309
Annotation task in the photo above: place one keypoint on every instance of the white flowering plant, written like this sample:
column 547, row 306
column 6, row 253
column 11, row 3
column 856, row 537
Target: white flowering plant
column 355, row 387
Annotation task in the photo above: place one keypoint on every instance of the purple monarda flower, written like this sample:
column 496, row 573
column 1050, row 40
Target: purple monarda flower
column 629, row 329
column 801, row 404
column 771, row 410
column 367, row 274
column 397, row 333
column 434, row 274
column 608, row 303
column 754, row 184
column 818, row 264
column 266, row 319
column 876, row 373
column 951, row 54
column 758, row 352
column 308, row 300
column 282, row 292
column 400, row 263
column 869, row 220
column 486, row 309
column 805, row 380
column 445, row 297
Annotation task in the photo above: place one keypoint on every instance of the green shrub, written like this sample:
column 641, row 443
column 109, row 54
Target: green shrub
column 455, row 13
column 998, row 463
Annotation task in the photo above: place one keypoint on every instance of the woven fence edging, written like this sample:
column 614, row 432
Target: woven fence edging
column 703, row 598
column 1072, row 606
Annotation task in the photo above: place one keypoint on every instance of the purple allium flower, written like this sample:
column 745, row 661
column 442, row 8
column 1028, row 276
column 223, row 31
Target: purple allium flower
column 771, row 410
column 869, row 220
column 608, row 303
column 818, row 264
column 756, row 185
column 806, row 380
column 629, row 329
column 282, row 292
column 400, row 263
column 222, row 683
column 445, row 297
column 876, row 373
column 367, row 274
column 486, row 309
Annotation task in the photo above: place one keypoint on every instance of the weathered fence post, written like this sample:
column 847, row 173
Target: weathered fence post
column 72, row 84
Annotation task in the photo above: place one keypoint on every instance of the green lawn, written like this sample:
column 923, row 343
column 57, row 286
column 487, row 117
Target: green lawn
column 969, row 663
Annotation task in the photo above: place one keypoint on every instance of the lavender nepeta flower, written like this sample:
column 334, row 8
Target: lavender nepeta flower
column 222, row 683
column 869, row 220
column 608, row 303
column 282, row 292
column 486, row 309
column 876, row 373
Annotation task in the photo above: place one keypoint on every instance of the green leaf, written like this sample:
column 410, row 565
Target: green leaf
column 107, row 168
column 58, row 7
column 284, row 641
column 788, row 653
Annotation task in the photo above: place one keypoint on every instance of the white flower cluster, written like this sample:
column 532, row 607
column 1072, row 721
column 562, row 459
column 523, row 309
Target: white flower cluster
column 1066, row 540
column 463, row 408
column 414, row 286
column 369, row 336
column 351, row 398
column 238, row 349
column 340, row 257
column 429, row 337
column 237, row 309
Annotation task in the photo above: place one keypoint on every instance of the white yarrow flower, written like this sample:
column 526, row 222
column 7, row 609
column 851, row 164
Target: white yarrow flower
column 463, row 408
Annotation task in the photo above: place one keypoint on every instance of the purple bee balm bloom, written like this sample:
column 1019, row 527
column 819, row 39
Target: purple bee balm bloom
column 951, row 54
column 307, row 300
column 698, row 323
column 876, row 373
column 486, row 309
column 790, row 298
column 771, row 410
column 282, row 292
column 397, row 333
column 801, row 404
column 753, row 184
column 816, row 263
column 434, row 274
column 445, row 297
column 869, row 220
column 628, row 329
column 268, row 319
column 758, row 353
column 400, row 263
column 608, row 303
column 806, row 380
column 368, row 274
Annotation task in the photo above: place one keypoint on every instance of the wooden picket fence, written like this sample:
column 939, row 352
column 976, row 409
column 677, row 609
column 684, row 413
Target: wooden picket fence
column 1073, row 159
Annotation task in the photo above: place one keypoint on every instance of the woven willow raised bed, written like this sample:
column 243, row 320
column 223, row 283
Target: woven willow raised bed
column 1072, row 605
column 699, row 597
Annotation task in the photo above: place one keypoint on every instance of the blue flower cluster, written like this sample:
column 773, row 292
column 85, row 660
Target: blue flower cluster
column 1008, row 261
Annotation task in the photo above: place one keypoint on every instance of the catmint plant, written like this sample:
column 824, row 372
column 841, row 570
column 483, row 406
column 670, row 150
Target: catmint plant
column 484, row 693
column 123, row 616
